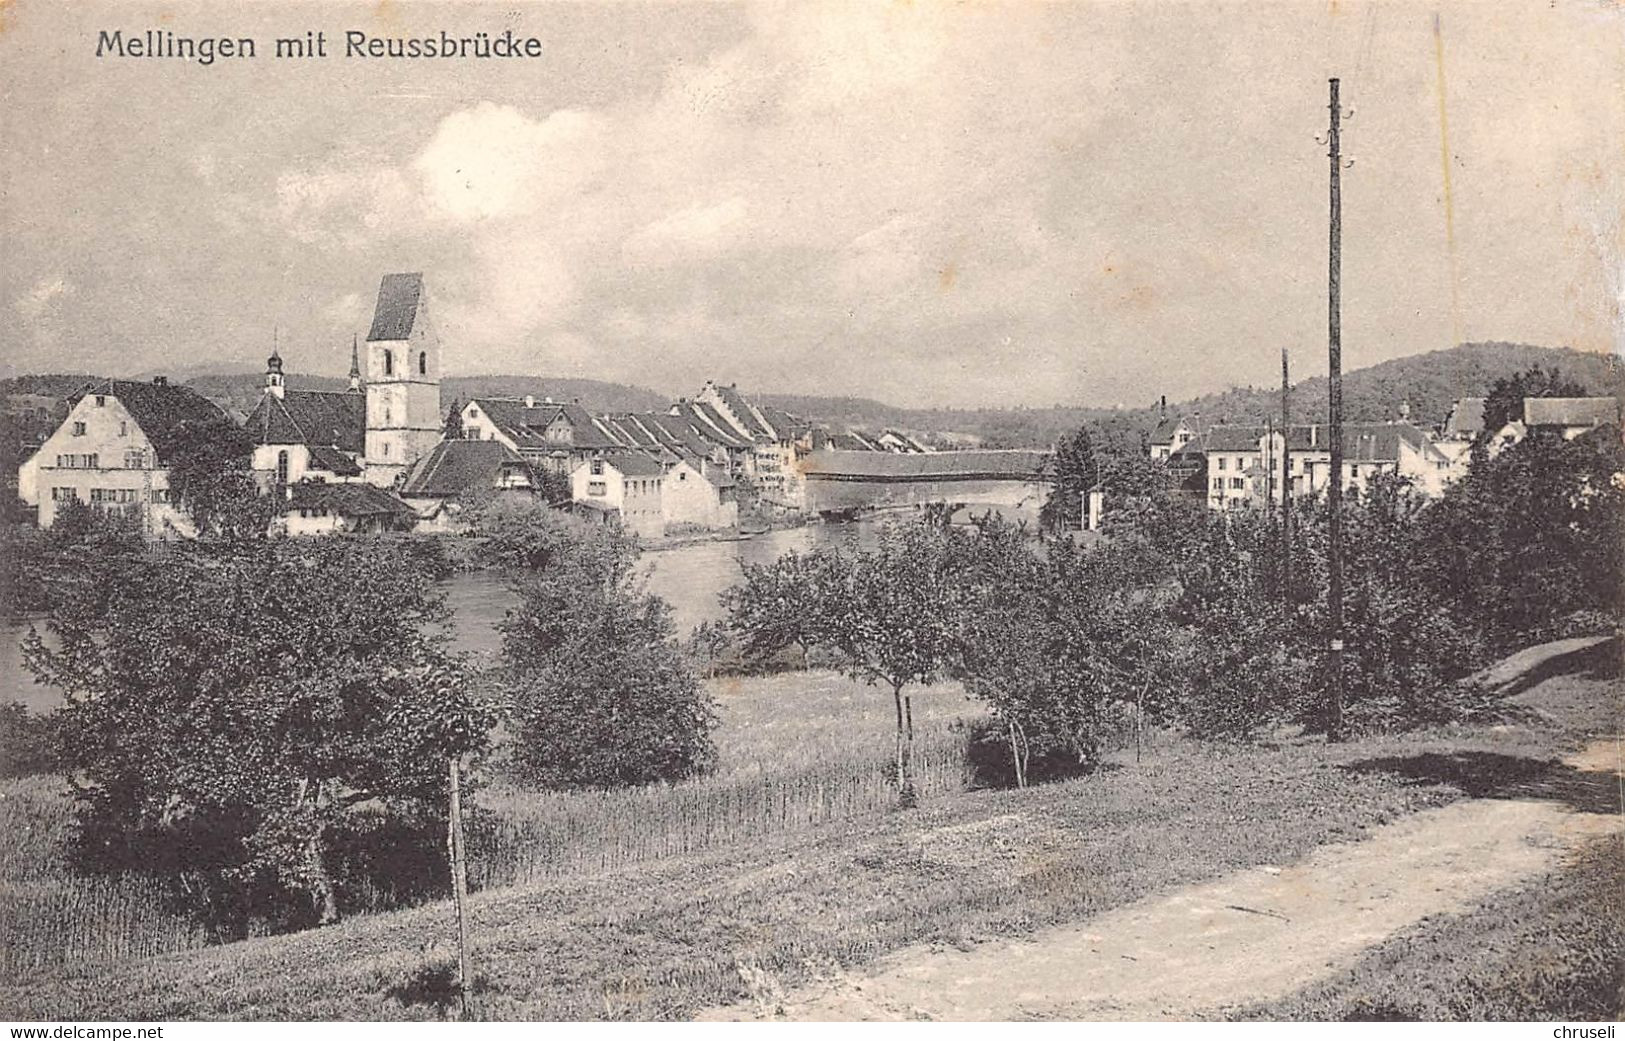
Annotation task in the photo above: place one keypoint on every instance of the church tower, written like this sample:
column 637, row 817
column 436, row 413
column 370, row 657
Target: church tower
column 273, row 375
column 403, row 380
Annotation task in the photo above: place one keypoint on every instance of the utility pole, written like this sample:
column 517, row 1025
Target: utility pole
column 1286, row 487
column 1334, row 490
column 459, row 883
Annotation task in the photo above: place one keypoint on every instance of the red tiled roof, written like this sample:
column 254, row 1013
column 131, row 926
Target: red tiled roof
column 635, row 464
column 333, row 461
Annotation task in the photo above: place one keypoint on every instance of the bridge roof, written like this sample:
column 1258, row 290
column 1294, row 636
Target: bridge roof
column 986, row 464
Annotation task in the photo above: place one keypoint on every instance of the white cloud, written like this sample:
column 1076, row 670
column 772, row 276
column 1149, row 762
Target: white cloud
column 493, row 160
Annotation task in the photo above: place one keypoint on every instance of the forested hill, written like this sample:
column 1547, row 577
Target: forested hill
column 1428, row 383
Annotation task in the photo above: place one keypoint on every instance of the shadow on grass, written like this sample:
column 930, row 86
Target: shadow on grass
column 1491, row 775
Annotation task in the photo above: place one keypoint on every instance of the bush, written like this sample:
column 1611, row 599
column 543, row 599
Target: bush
column 598, row 692
column 29, row 744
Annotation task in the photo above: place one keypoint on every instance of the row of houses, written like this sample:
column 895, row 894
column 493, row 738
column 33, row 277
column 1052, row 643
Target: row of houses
column 380, row 455
column 1231, row 466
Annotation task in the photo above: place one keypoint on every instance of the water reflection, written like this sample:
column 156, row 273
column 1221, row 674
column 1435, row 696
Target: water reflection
column 689, row 577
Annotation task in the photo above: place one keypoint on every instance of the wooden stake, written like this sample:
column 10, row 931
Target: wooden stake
column 459, row 884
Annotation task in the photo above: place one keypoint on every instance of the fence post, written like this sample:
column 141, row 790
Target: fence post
column 459, row 883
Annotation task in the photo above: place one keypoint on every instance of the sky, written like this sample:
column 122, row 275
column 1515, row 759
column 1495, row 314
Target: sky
column 997, row 204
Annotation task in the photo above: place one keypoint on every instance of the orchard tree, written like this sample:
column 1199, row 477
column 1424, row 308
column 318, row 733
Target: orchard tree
column 779, row 605
column 235, row 703
column 1057, row 639
column 891, row 616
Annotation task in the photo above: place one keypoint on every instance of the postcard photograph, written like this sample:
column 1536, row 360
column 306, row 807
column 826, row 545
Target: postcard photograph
column 904, row 511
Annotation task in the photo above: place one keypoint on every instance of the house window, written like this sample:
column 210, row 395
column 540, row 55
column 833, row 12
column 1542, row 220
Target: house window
column 597, row 467
column 1237, row 483
column 282, row 467
column 423, row 363
column 596, row 488
column 63, row 494
column 1218, row 484
column 78, row 430
column 160, row 495
column 681, row 476
column 101, row 400
column 1221, row 462
column 135, row 460
column 389, row 363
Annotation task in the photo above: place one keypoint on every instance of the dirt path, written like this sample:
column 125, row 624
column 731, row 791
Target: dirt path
column 1252, row 936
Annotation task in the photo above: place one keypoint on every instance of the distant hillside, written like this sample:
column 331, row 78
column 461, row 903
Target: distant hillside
column 57, row 385
column 595, row 394
column 238, row 392
column 1428, row 383
column 989, row 427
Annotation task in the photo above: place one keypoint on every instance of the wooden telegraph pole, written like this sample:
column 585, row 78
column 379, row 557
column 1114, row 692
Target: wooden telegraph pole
column 1334, row 489
column 1286, row 487
column 459, row 883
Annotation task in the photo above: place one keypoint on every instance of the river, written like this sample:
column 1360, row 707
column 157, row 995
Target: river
column 689, row 577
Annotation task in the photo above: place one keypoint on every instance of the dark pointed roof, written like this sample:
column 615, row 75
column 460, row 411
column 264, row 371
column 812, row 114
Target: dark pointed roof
column 163, row 411
column 397, row 311
column 455, row 467
column 1164, row 432
column 337, row 419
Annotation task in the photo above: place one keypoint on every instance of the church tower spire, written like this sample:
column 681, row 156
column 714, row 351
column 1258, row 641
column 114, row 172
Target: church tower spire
column 355, row 365
column 403, row 380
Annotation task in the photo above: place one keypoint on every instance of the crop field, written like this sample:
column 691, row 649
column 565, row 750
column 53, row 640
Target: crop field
column 796, row 750
column 51, row 916
column 677, row 898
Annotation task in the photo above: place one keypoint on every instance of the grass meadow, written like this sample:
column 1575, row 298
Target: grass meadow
column 791, row 865
column 796, row 750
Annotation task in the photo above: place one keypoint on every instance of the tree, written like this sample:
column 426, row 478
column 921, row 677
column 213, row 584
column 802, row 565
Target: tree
column 1543, row 523
column 779, row 605
column 1113, row 461
column 210, row 478
column 891, row 615
column 521, row 534
column 597, row 690
column 235, row 703
column 453, row 427
column 1504, row 402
